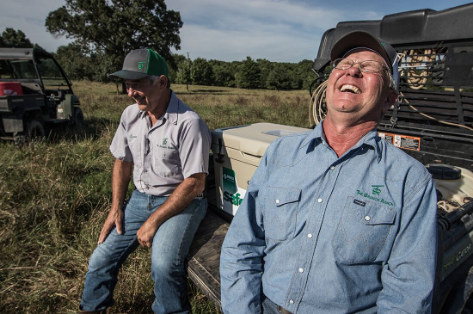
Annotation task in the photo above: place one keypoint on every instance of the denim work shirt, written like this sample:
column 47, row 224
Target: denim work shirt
column 164, row 154
column 317, row 233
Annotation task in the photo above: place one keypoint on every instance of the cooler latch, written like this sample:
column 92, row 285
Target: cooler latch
column 219, row 154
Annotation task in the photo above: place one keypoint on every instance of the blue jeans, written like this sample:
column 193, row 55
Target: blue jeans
column 168, row 252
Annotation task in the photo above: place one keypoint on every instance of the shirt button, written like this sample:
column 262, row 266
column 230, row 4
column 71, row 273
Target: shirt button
column 331, row 168
column 367, row 218
column 309, row 235
column 319, row 200
column 291, row 301
column 301, row 270
column 277, row 201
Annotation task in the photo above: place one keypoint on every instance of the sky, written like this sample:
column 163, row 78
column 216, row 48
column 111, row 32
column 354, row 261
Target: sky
column 231, row 30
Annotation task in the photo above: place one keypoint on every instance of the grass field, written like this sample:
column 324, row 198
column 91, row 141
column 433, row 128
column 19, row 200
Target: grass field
column 56, row 194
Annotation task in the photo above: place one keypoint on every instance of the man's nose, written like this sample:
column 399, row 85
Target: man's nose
column 355, row 70
column 130, row 92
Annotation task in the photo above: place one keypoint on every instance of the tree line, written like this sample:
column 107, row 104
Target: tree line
column 103, row 32
column 249, row 73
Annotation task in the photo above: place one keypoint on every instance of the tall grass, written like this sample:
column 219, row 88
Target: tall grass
column 55, row 195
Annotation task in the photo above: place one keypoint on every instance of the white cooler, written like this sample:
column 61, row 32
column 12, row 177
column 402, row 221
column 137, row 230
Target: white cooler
column 237, row 152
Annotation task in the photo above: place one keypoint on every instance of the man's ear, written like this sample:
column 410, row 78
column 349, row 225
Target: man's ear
column 390, row 100
column 163, row 81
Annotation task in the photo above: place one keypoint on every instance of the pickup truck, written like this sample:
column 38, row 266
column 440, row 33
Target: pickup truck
column 433, row 122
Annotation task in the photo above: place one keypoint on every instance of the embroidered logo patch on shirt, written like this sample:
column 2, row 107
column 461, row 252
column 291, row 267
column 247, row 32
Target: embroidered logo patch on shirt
column 376, row 189
column 164, row 144
column 375, row 195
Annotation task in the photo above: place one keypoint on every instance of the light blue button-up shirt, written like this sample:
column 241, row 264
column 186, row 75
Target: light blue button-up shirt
column 317, row 233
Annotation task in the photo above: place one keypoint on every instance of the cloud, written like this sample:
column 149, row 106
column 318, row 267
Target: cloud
column 29, row 17
column 278, row 30
column 237, row 45
column 226, row 14
column 281, row 31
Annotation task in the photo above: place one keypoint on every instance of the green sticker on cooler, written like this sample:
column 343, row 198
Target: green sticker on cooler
column 229, row 181
column 232, row 194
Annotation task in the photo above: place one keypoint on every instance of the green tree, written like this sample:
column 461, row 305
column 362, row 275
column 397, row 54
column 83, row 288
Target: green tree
column 16, row 39
column 248, row 75
column 84, row 65
column 173, row 70
column 184, row 72
column 279, row 78
column 112, row 28
column 305, row 74
column 223, row 75
column 202, row 73
column 265, row 67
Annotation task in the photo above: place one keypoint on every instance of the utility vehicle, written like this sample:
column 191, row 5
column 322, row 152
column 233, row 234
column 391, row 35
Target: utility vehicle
column 34, row 92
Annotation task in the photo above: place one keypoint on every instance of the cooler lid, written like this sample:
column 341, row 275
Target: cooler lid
column 253, row 139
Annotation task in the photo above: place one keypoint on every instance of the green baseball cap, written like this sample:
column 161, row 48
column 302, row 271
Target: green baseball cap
column 141, row 63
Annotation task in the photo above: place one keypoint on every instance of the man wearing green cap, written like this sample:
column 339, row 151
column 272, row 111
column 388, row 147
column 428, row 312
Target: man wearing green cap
column 164, row 145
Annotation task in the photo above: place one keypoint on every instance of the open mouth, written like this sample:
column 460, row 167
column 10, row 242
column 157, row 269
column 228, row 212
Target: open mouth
column 350, row 89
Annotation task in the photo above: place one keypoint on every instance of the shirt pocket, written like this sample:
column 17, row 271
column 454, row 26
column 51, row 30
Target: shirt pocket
column 166, row 162
column 362, row 231
column 135, row 148
column 280, row 212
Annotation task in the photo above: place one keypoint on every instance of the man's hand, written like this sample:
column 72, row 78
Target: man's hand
column 114, row 219
column 120, row 179
column 146, row 234
column 177, row 201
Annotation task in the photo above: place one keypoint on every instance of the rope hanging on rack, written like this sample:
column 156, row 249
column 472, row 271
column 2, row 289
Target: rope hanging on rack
column 318, row 108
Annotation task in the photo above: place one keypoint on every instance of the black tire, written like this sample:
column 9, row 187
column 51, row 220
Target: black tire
column 78, row 117
column 34, row 131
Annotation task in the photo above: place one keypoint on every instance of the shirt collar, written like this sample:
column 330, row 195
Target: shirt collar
column 370, row 139
column 172, row 112
column 316, row 136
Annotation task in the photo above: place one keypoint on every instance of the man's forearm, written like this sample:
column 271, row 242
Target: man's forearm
column 120, row 180
column 179, row 199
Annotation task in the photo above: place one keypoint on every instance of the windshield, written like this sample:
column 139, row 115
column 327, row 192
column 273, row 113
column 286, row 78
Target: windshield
column 17, row 69
column 50, row 72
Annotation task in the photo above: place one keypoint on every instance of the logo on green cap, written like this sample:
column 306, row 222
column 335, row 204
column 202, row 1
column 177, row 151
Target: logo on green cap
column 141, row 65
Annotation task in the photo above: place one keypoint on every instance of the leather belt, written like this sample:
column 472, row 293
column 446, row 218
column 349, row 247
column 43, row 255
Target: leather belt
column 282, row 310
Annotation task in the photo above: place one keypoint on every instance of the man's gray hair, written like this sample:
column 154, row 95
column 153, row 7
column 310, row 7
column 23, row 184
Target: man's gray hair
column 155, row 78
column 392, row 82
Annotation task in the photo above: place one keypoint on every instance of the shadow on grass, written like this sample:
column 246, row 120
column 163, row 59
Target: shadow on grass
column 92, row 128
column 140, row 304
